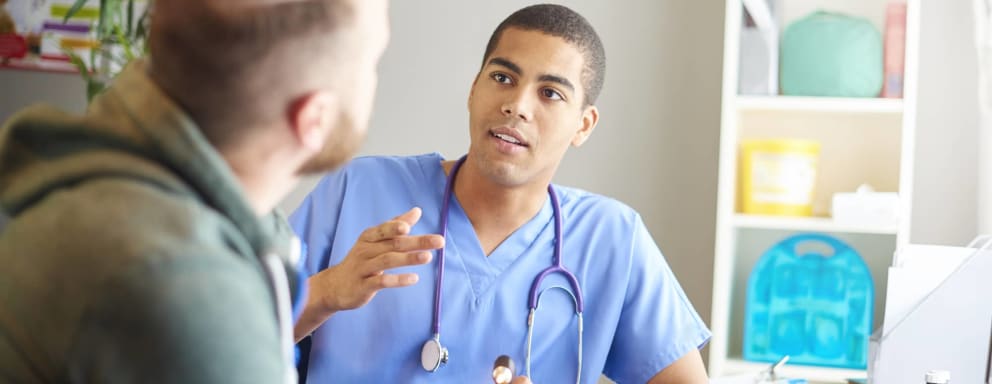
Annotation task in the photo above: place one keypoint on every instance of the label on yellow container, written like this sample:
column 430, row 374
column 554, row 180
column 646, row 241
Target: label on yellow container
column 782, row 178
column 778, row 176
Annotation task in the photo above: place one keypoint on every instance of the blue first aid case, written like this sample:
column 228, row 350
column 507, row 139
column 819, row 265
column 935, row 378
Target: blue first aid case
column 810, row 297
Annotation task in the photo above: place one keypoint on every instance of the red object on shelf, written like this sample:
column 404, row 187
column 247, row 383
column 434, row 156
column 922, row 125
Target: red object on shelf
column 13, row 46
column 895, row 50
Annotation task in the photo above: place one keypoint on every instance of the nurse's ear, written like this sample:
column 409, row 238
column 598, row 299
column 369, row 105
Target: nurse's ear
column 471, row 91
column 311, row 117
column 590, row 117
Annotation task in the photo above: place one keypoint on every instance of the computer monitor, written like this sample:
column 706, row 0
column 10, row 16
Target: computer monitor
column 988, row 369
column 950, row 329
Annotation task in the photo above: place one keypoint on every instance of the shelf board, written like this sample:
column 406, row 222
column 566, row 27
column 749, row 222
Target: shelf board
column 812, row 224
column 819, row 104
column 811, row 373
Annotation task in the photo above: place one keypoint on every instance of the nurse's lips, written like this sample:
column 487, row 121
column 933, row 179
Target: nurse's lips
column 509, row 135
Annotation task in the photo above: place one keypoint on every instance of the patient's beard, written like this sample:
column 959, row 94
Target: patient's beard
column 341, row 145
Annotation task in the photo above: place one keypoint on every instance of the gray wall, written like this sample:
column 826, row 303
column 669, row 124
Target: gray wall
column 19, row 89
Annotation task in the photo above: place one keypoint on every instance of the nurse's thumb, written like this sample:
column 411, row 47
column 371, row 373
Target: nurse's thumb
column 521, row 380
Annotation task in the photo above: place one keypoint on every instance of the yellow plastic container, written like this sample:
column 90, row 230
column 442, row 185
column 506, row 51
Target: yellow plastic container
column 777, row 176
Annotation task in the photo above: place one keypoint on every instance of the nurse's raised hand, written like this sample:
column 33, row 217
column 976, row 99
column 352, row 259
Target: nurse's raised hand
column 354, row 281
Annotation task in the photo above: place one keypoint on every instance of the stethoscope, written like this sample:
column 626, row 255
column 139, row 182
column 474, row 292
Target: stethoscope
column 433, row 355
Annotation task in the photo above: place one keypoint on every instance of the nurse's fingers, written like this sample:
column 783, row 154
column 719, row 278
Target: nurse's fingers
column 384, row 281
column 390, row 260
column 410, row 217
column 416, row 243
column 399, row 244
column 398, row 226
column 384, row 231
column 520, row 380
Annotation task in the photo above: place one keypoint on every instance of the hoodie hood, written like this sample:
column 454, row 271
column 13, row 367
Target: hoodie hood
column 131, row 131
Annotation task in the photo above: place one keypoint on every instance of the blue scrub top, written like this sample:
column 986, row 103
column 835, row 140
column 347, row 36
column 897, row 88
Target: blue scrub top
column 637, row 319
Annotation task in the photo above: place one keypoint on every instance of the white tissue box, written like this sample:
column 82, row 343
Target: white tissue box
column 866, row 208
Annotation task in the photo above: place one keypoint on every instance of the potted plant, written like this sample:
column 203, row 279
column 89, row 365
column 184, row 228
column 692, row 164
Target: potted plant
column 121, row 32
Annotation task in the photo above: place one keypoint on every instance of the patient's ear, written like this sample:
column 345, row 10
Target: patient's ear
column 311, row 117
column 590, row 117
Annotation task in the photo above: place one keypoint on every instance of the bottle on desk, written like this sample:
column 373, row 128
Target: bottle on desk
column 938, row 377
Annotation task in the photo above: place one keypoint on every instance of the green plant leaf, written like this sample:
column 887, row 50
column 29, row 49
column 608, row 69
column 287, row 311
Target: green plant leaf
column 124, row 42
column 93, row 88
column 141, row 31
column 72, row 10
column 117, row 17
column 101, row 26
column 117, row 24
column 130, row 18
column 80, row 65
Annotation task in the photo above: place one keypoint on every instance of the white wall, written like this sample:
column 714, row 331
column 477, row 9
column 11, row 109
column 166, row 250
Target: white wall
column 945, row 201
column 983, row 35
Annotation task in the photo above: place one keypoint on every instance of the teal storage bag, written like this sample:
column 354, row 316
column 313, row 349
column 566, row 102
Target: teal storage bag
column 810, row 296
column 829, row 54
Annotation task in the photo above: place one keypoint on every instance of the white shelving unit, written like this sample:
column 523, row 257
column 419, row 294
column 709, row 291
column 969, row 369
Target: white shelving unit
column 747, row 103
column 816, row 374
column 862, row 140
column 807, row 224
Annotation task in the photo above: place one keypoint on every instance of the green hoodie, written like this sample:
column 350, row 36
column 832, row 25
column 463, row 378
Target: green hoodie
column 132, row 254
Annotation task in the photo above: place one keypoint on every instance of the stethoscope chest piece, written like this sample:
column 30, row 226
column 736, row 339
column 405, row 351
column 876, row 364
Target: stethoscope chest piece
column 433, row 355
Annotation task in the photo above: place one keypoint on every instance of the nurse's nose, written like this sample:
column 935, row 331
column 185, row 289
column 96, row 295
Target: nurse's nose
column 519, row 105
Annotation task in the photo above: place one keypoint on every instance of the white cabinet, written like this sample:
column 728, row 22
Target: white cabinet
column 862, row 140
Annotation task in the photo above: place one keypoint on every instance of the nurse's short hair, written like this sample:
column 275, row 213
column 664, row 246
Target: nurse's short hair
column 560, row 21
column 233, row 65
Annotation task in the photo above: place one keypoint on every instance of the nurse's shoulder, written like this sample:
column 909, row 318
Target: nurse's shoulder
column 382, row 171
column 581, row 207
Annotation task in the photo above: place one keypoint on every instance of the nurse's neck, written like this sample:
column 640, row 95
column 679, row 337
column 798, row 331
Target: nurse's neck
column 495, row 210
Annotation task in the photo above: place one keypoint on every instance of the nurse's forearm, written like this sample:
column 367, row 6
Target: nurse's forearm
column 315, row 313
column 688, row 369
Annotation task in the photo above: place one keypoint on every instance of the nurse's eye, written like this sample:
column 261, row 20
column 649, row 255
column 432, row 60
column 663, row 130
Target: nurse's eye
column 501, row 78
column 552, row 94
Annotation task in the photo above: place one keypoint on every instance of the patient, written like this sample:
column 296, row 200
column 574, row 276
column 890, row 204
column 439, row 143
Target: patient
column 143, row 247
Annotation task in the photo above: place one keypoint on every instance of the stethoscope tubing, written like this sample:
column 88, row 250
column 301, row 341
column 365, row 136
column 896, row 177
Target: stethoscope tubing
column 534, row 294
